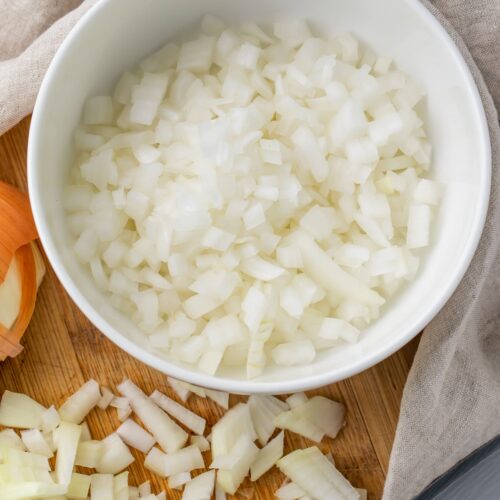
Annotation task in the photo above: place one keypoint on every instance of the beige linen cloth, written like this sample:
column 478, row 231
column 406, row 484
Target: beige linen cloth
column 451, row 402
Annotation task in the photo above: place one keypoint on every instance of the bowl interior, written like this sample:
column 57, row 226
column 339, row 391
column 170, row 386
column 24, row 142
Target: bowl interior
column 116, row 34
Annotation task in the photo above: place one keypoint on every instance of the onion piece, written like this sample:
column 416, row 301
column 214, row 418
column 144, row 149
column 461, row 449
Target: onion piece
column 20, row 411
column 243, row 454
column 186, row 417
column 166, row 432
column 115, row 455
column 155, row 461
column 236, row 422
column 184, row 460
column 267, row 457
column 49, row 419
column 312, row 471
column 297, row 399
column 145, row 489
column 101, row 487
column 78, row 406
column 289, row 491
column 176, row 481
column 79, row 487
column 201, row 442
column 201, row 487
column 264, row 410
column 134, row 435
column 85, row 436
column 68, row 437
column 220, row 494
column 88, row 454
column 35, row 442
column 219, row 397
column 323, row 270
column 106, row 398
column 120, row 487
column 27, row 459
column 9, row 439
column 314, row 418
column 33, row 489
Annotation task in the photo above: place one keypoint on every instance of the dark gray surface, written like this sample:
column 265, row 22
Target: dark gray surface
column 475, row 478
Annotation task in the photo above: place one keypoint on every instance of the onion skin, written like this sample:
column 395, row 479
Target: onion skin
column 18, row 231
column 9, row 338
column 16, row 221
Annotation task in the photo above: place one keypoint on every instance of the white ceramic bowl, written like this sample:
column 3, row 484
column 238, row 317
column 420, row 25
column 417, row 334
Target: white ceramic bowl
column 116, row 34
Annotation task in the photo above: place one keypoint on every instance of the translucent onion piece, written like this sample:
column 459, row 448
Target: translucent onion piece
column 267, row 457
column 264, row 410
column 134, row 435
column 68, row 437
column 115, row 455
column 166, row 432
column 20, row 411
column 78, row 405
column 200, row 488
column 316, row 475
column 186, row 417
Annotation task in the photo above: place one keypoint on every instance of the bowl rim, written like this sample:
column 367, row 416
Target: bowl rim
column 242, row 386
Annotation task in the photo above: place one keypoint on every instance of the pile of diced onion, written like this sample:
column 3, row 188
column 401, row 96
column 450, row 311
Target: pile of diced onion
column 173, row 439
column 251, row 198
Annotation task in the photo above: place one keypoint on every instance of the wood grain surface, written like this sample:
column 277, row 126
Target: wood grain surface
column 63, row 349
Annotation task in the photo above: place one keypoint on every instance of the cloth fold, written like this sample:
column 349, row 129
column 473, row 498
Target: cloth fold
column 451, row 402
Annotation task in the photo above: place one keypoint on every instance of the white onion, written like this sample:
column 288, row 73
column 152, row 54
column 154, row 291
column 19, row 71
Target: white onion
column 241, row 457
column 289, row 491
column 155, row 462
column 314, row 418
column 77, row 406
column 220, row 397
column 267, row 457
column 106, row 398
column 134, row 435
column 201, row 487
column 120, row 486
column 68, row 437
column 89, row 454
column 79, row 487
column 314, row 473
column 177, row 481
column 264, row 410
column 35, row 442
column 101, row 487
column 20, row 411
column 267, row 178
column 166, row 432
column 184, row 460
column 183, row 415
column 296, row 399
column 201, row 442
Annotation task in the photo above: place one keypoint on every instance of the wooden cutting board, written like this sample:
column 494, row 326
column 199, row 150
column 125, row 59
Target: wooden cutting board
column 63, row 350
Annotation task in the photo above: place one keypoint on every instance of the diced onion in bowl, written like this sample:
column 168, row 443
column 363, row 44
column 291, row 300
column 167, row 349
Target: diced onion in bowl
column 240, row 183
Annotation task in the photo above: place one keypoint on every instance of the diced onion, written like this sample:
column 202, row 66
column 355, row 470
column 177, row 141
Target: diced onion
column 77, row 406
column 183, row 415
column 134, row 435
column 272, row 180
column 316, row 475
column 166, row 432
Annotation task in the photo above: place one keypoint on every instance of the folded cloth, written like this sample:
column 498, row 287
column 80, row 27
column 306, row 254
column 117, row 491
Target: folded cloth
column 30, row 33
column 451, row 402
